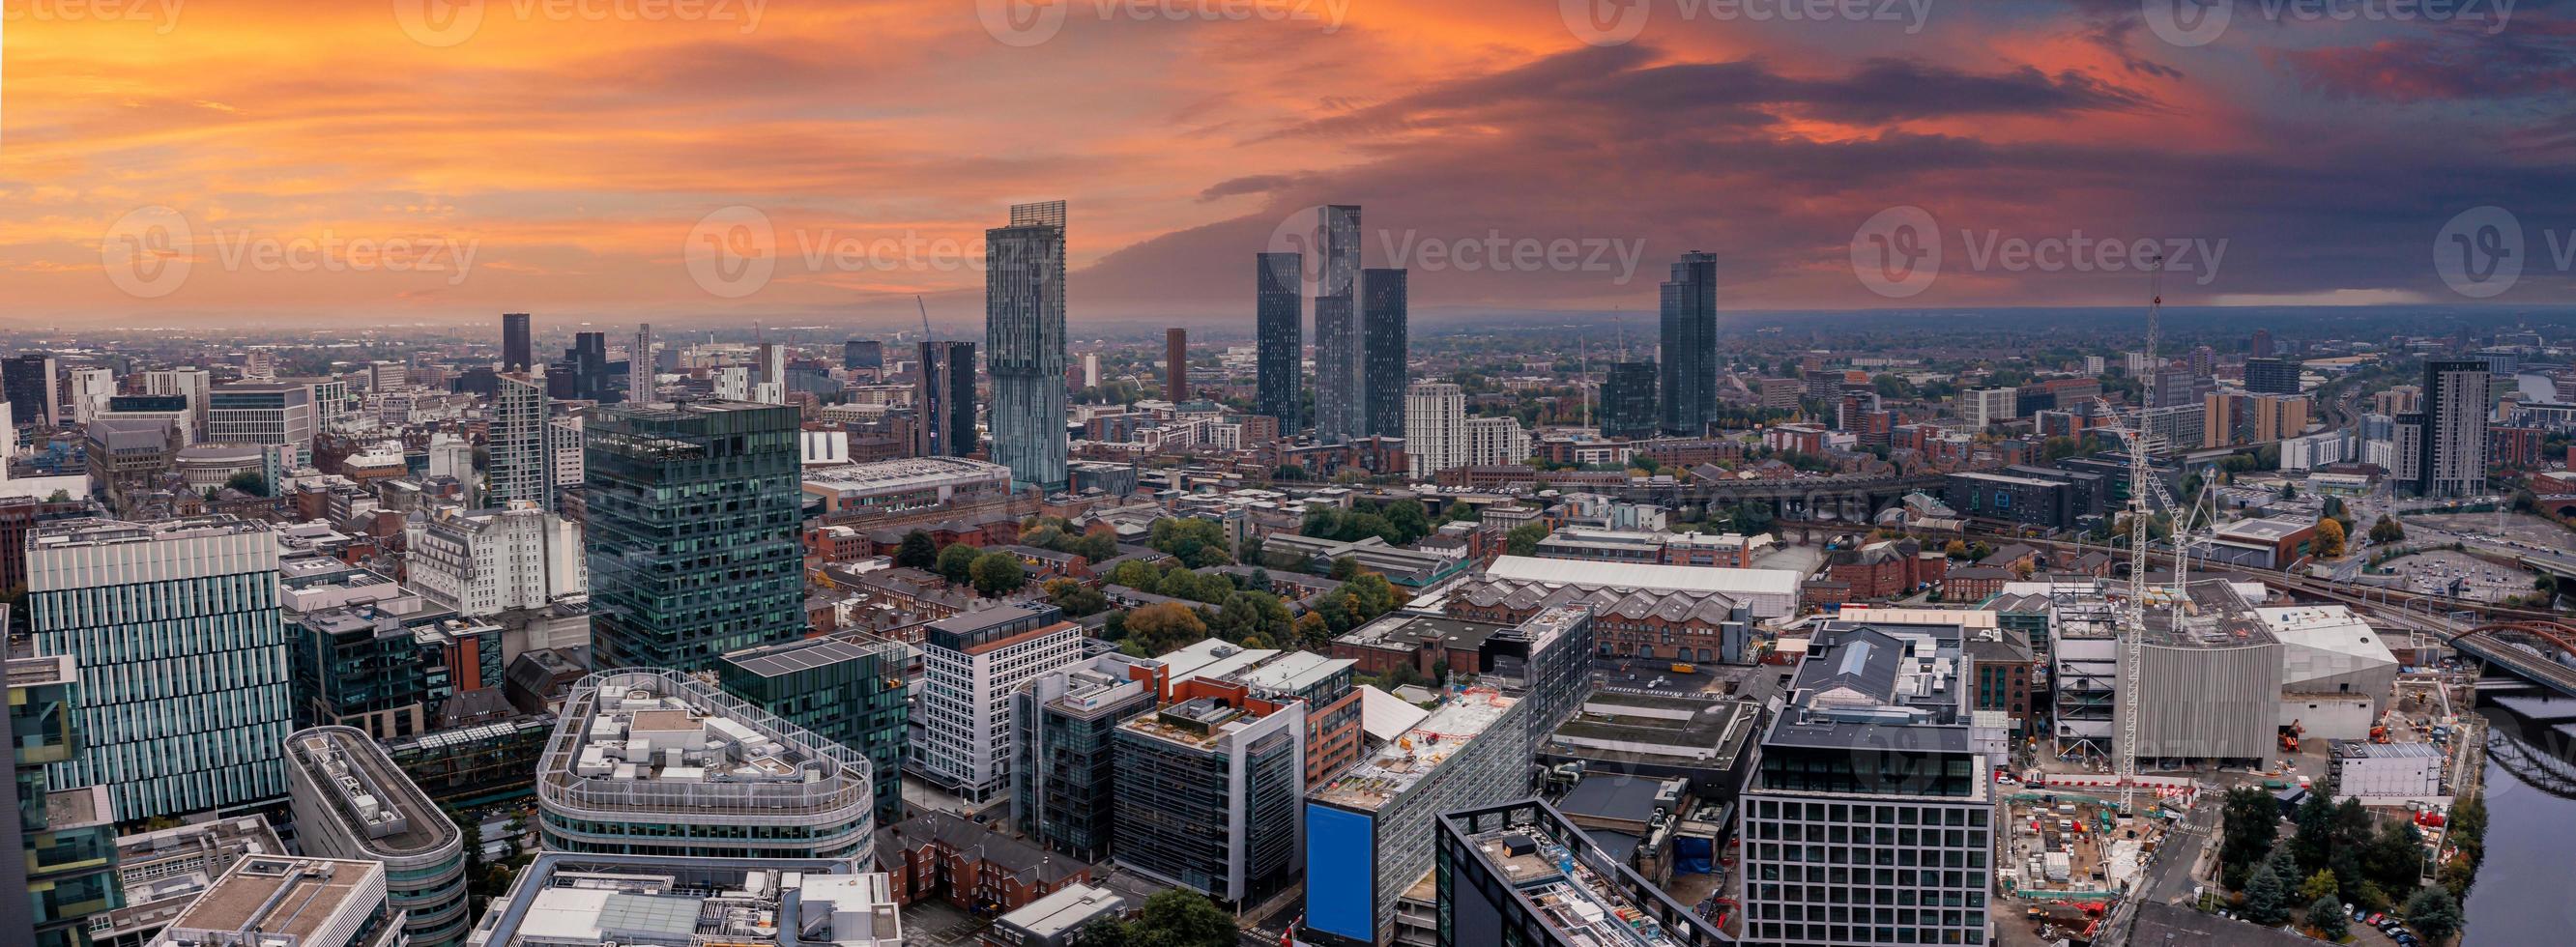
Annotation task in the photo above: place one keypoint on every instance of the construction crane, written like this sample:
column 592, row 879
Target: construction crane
column 926, row 334
column 2133, row 621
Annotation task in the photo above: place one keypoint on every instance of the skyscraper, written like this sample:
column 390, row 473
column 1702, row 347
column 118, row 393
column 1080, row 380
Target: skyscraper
column 1383, row 344
column 1689, row 386
column 862, row 353
column 1435, row 434
column 2451, row 450
column 183, row 697
column 692, row 532
column 639, row 367
column 59, row 850
column 1176, row 364
column 1024, row 343
column 945, row 397
column 2271, row 376
column 1628, row 400
column 2261, row 345
column 517, row 353
column 1279, row 336
column 771, row 385
column 519, row 468
column 1339, row 389
column 31, row 385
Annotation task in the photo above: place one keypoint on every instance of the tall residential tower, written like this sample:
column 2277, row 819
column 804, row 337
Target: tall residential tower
column 1340, row 414
column 1690, row 345
column 1279, row 337
column 1024, row 343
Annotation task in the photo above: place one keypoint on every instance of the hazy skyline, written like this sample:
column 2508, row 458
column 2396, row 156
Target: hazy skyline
column 560, row 157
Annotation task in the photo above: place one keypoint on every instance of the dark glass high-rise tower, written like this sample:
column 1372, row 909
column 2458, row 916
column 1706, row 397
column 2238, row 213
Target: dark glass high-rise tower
column 945, row 397
column 1382, row 352
column 862, row 353
column 693, row 513
column 1690, row 345
column 1339, row 413
column 517, row 352
column 2265, row 375
column 1628, row 400
column 1024, row 343
column 1279, row 336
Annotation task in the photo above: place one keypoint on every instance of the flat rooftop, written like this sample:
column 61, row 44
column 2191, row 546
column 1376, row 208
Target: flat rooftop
column 1410, row 630
column 1295, row 671
column 1737, row 582
column 1578, row 904
column 1404, row 761
column 296, row 897
column 379, row 808
column 780, row 660
column 903, row 474
column 647, row 901
column 1614, row 725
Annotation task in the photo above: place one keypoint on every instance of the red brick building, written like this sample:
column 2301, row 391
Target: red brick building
column 938, row 855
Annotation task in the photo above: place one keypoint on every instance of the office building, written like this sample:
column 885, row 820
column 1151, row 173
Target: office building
column 1369, row 829
column 1062, row 723
column 1868, row 817
column 1024, row 343
column 1340, row 386
column 2271, row 376
column 261, row 413
column 2260, row 346
column 904, row 485
column 944, row 397
column 1435, row 434
column 640, row 367
column 847, row 687
column 971, row 664
column 1176, row 365
column 650, row 762
column 1522, row 873
column 58, row 852
column 184, row 695
column 351, row 802
column 1988, row 407
column 32, row 385
column 586, row 900
column 165, row 870
column 190, row 383
column 1689, row 364
column 693, row 511
column 520, row 468
column 518, row 353
column 1208, row 789
column 1495, row 441
column 284, row 900
column 90, row 389
column 389, row 667
column 1384, row 344
column 1628, row 401
column 2449, row 444
column 863, row 353
column 482, row 563
column 1279, row 340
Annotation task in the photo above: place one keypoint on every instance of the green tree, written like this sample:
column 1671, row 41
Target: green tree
column 2319, row 885
column 1344, row 567
column 1173, row 917
column 2386, row 530
column 1163, row 626
column 2326, row 915
column 1075, row 598
column 1137, row 574
column 1410, row 520
column 2248, row 820
column 957, row 563
column 918, row 551
column 2267, row 900
column 997, row 573
column 2330, row 538
column 2316, row 826
column 1196, row 542
column 1097, row 547
column 2434, row 914
column 1523, row 539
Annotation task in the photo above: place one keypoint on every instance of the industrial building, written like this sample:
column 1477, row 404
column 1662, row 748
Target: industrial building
column 2381, row 774
column 2336, row 671
column 585, row 900
column 2210, row 674
column 1770, row 593
column 652, row 762
column 1522, row 873
column 351, row 802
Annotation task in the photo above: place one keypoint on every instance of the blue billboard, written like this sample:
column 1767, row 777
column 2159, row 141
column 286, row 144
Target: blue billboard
column 1341, row 872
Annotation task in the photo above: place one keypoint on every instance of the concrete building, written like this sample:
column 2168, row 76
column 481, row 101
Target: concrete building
column 1435, row 432
column 184, row 696
column 584, row 900
column 1873, row 755
column 1057, row 919
column 1988, row 407
column 165, row 870
column 971, row 664
column 1769, row 593
column 482, row 563
column 2210, row 675
column 291, row 901
column 1522, row 873
column 521, row 468
column 1207, row 790
column 651, row 762
column 2380, row 774
column 2337, row 672
column 351, row 802
column 944, row 401
column 2447, row 449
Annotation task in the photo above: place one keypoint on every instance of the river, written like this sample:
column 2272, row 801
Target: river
column 2525, row 893
column 2537, row 387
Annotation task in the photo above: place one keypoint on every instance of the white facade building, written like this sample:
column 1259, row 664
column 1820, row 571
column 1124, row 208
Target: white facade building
column 485, row 562
column 1990, row 406
column 1492, row 441
column 971, row 664
column 1435, row 428
column 90, row 388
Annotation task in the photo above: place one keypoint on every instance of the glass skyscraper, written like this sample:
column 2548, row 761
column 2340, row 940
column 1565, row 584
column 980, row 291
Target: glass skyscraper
column 1382, row 321
column 1339, row 412
column 847, row 688
column 945, row 397
column 1628, row 400
column 1024, row 343
column 517, row 349
column 185, row 694
column 692, row 537
column 59, row 851
column 1690, row 345
column 1279, row 336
